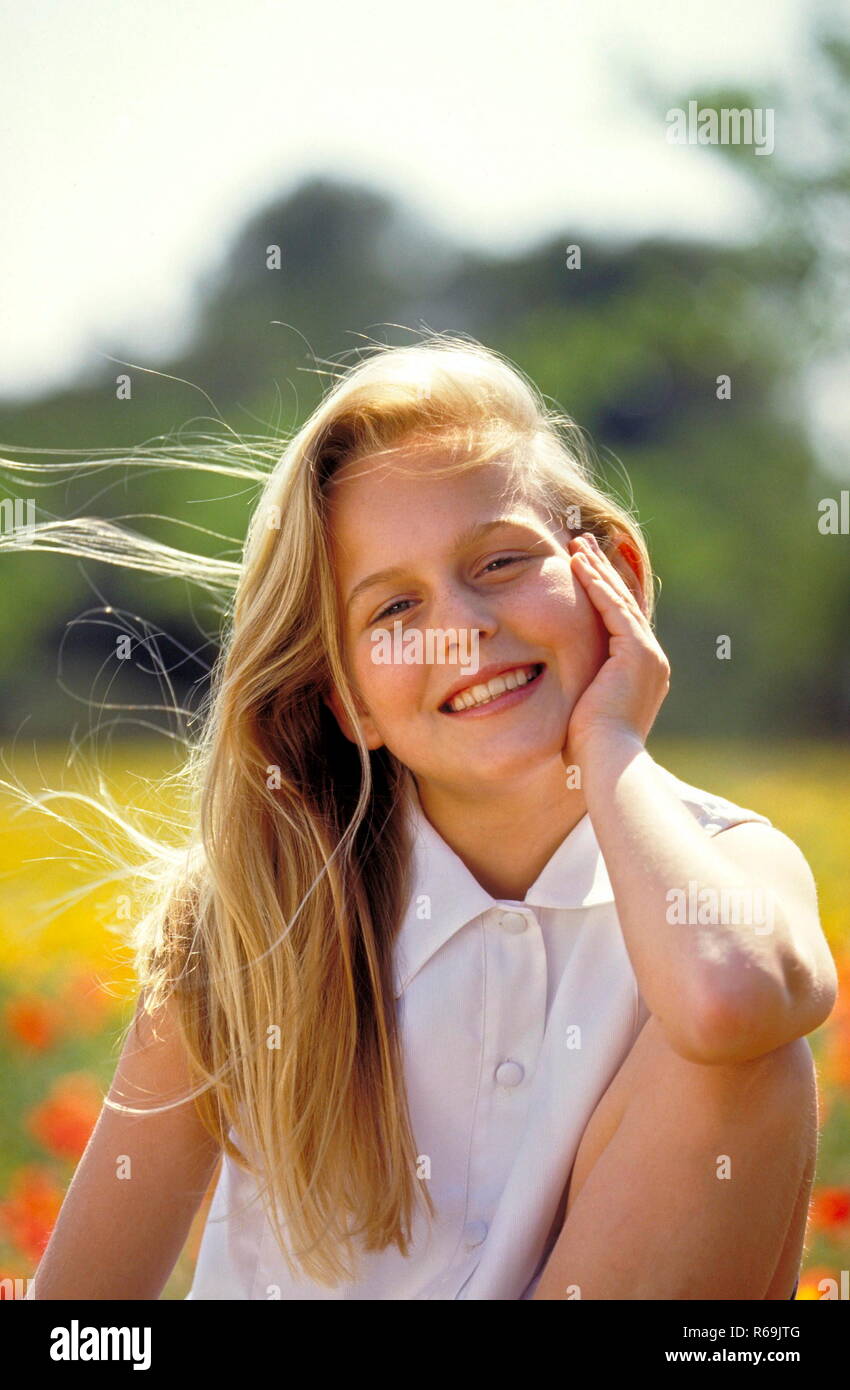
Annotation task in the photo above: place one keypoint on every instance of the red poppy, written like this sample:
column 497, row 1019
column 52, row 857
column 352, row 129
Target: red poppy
column 29, row 1213
column 33, row 1020
column 812, row 1279
column 63, row 1123
column 830, row 1208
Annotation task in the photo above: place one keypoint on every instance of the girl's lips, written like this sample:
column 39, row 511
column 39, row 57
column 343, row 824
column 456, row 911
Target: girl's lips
column 503, row 701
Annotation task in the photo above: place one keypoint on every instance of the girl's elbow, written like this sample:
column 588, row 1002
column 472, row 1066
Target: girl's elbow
column 813, row 988
column 741, row 1025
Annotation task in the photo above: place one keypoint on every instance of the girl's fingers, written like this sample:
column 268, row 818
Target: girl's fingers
column 601, row 565
column 621, row 619
column 610, row 570
column 611, row 573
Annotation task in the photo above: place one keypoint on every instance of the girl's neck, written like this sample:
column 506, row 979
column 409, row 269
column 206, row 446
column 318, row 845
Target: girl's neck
column 506, row 840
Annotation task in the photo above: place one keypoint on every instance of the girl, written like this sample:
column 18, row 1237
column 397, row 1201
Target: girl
column 469, row 996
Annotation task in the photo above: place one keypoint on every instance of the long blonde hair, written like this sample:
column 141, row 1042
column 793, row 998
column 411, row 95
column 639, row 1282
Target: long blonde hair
column 272, row 923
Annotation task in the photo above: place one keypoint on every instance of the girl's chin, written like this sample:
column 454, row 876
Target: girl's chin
column 493, row 739
column 496, row 765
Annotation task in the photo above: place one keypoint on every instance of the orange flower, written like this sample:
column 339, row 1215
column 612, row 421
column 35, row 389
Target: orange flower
column 841, row 1012
column 64, row 1122
column 837, row 1050
column 33, row 1020
column 811, row 1279
column 836, row 1031
column 830, row 1209
column 30, row 1211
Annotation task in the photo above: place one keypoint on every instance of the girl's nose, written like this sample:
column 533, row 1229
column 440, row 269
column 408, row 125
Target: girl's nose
column 460, row 609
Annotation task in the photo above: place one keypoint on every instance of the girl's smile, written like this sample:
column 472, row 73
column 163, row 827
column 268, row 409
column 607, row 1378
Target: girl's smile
column 497, row 688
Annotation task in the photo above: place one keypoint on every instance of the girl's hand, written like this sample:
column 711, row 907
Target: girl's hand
column 632, row 684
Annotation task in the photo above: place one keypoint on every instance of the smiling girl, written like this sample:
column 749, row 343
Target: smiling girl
column 419, row 984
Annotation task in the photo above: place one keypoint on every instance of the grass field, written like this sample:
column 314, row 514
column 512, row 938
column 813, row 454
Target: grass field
column 66, row 988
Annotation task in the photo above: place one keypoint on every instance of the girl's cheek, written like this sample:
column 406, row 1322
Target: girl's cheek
column 553, row 604
column 388, row 683
column 565, row 620
column 558, row 582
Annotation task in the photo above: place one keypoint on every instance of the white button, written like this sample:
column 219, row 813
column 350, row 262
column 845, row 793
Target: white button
column 474, row 1233
column 512, row 922
column 509, row 1074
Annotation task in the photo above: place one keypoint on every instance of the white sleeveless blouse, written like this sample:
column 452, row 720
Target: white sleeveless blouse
column 515, row 1017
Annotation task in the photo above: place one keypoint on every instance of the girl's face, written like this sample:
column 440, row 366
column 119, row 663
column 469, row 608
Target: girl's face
column 445, row 552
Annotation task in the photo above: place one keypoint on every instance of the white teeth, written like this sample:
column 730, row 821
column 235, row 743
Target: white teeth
column 482, row 694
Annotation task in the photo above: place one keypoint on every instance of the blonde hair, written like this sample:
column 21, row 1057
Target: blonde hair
column 279, row 908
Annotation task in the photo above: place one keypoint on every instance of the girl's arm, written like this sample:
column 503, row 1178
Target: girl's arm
column 723, row 989
column 723, row 931
column 118, row 1237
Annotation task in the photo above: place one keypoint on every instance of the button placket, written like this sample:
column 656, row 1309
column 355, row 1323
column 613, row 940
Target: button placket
column 514, row 1024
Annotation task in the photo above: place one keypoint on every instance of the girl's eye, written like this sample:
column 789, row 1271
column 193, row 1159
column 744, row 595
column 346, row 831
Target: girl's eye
column 504, row 560
column 500, row 560
column 388, row 611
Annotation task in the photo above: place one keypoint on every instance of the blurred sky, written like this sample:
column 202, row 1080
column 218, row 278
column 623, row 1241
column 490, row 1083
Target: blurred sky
column 137, row 136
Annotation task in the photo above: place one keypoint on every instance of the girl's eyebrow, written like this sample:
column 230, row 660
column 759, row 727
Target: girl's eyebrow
column 467, row 537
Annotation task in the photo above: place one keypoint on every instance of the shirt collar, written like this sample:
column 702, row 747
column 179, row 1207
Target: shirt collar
column 574, row 877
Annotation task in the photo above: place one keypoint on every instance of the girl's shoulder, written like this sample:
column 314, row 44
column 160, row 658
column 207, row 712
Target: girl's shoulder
column 714, row 812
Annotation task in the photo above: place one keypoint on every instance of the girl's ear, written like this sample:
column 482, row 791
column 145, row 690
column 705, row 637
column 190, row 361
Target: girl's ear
column 626, row 561
column 367, row 727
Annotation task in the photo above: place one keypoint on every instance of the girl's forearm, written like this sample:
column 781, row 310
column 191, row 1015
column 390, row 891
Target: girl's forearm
column 717, row 986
